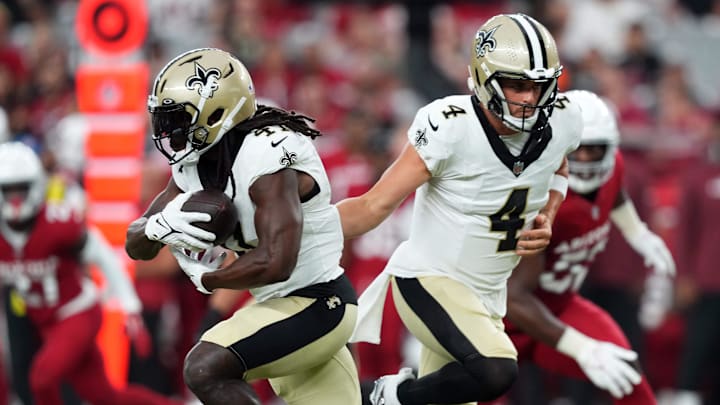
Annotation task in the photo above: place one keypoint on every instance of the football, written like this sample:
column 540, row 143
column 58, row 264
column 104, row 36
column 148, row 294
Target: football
column 223, row 215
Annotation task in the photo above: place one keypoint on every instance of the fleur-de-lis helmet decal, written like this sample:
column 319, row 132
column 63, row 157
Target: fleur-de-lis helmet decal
column 204, row 80
column 484, row 41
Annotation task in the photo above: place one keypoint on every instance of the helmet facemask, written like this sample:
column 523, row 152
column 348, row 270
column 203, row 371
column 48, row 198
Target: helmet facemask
column 18, row 205
column 500, row 105
column 587, row 176
column 22, row 183
column 176, row 133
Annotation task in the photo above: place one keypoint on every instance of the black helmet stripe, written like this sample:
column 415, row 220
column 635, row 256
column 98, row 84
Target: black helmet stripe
column 543, row 50
column 534, row 40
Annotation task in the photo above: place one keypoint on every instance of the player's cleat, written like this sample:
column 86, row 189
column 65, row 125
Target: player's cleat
column 385, row 390
column 685, row 397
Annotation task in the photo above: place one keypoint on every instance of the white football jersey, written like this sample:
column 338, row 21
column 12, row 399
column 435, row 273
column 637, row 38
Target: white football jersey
column 467, row 217
column 267, row 151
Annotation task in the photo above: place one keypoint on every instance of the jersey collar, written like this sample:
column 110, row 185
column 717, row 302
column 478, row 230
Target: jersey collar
column 534, row 147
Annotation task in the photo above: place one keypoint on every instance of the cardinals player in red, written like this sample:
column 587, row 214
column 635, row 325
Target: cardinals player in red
column 43, row 248
column 548, row 321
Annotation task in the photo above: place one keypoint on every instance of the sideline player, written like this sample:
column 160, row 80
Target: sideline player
column 206, row 122
column 490, row 171
column 43, row 248
column 548, row 321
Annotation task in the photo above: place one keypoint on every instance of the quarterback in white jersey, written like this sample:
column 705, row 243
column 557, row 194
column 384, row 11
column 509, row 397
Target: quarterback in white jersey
column 489, row 171
column 468, row 218
column 288, row 239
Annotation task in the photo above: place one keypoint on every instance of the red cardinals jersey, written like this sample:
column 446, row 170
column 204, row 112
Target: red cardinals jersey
column 580, row 232
column 44, row 264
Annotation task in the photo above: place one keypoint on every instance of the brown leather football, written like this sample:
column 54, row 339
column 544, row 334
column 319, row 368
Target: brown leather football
column 224, row 217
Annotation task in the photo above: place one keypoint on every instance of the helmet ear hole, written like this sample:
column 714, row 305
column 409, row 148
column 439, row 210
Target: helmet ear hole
column 215, row 116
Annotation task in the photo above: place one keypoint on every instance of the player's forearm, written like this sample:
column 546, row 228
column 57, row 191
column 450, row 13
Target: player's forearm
column 279, row 227
column 98, row 251
column 137, row 245
column 255, row 268
column 626, row 218
column 534, row 319
column 558, row 191
column 553, row 205
column 358, row 216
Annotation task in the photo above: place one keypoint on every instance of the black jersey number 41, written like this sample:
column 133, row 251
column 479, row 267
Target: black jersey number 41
column 510, row 219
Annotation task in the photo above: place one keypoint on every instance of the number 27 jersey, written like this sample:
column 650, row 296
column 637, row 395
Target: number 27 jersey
column 580, row 232
column 467, row 217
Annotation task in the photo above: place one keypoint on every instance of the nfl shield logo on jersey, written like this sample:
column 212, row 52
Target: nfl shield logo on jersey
column 518, row 168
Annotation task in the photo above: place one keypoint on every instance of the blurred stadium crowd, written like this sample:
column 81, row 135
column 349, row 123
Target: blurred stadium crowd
column 362, row 69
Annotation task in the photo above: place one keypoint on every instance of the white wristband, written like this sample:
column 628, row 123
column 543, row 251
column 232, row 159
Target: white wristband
column 560, row 184
column 572, row 342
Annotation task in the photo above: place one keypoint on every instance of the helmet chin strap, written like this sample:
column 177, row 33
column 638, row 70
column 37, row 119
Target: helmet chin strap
column 519, row 124
column 514, row 123
column 192, row 158
column 510, row 121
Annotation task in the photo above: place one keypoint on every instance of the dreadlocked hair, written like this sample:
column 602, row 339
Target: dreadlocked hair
column 217, row 173
column 266, row 116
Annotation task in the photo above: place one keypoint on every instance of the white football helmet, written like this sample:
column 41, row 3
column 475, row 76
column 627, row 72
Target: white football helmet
column 514, row 46
column 599, row 128
column 22, row 182
column 196, row 99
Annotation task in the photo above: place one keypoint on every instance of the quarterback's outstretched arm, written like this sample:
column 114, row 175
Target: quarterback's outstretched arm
column 361, row 214
column 535, row 240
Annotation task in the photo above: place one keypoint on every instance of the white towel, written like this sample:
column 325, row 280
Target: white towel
column 370, row 311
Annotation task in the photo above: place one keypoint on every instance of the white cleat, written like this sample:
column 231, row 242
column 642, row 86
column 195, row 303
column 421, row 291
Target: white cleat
column 385, row 390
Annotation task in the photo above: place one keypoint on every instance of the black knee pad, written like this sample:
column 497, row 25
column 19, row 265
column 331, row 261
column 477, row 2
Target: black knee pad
column 495, row 375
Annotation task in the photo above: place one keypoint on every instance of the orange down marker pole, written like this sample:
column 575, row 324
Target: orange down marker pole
column 111, row 91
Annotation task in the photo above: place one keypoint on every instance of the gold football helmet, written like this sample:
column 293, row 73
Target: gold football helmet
column 196, row 99
column 514, row 46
